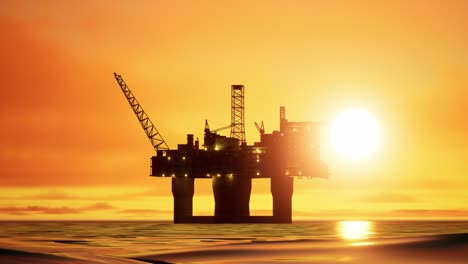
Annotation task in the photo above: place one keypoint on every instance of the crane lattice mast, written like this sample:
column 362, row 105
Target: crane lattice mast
column 151, row 132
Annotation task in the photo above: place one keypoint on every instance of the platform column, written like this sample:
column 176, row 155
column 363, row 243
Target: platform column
column 232, row 198
column 282, row 190
column 182, row 190
column 242, row 190
column 222, row 191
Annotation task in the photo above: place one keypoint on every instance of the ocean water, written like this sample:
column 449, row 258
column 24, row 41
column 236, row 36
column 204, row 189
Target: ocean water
column 300, row 242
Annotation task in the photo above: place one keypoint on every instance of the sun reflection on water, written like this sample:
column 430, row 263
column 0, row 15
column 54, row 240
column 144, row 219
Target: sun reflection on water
column 355, row 230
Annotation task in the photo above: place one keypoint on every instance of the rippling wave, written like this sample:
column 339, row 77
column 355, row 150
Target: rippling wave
column 304, row 242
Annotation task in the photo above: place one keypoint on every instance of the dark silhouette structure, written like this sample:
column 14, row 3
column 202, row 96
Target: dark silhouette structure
column 231, row 164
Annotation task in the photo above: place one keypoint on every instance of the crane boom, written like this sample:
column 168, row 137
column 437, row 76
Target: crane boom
column 207, row 127
column 221, row 128
column 260, row 128
column 151, row 132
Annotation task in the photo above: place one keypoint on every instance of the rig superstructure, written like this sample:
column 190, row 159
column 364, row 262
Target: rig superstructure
column 293, row 151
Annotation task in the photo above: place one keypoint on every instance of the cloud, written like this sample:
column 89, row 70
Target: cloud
column 51, row 195
column 63, row 195
column 328, row 213
column 389, row 197
column 37, row 209
column 463, row 213
column 33, row 209
column 383, row 214
column 146, row 212
column 98, row 206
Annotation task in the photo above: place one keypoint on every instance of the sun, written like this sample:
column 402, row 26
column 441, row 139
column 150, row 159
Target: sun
column 355, row 134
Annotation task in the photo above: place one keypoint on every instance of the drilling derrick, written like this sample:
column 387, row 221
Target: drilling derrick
column 231, row 164
column 237, row 113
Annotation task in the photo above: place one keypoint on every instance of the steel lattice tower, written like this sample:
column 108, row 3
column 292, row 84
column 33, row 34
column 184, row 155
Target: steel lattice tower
column 237, row 113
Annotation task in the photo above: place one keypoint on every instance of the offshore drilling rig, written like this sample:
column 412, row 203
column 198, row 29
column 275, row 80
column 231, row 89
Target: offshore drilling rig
column 231, row 164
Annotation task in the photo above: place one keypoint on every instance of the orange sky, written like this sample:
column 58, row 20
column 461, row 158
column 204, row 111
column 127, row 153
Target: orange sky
column 70, row 147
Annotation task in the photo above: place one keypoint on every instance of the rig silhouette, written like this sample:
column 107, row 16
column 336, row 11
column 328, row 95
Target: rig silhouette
column 293, row 151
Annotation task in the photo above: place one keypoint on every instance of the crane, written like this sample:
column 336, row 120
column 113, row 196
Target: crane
column 260, row 128
column 215, row 130
column 151, row 131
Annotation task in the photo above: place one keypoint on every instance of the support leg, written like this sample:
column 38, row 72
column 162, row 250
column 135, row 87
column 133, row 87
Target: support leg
column 182, row 190
column 282, row 190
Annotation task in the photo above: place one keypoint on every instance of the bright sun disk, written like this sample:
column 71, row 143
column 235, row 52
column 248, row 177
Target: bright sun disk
column 355, row 134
